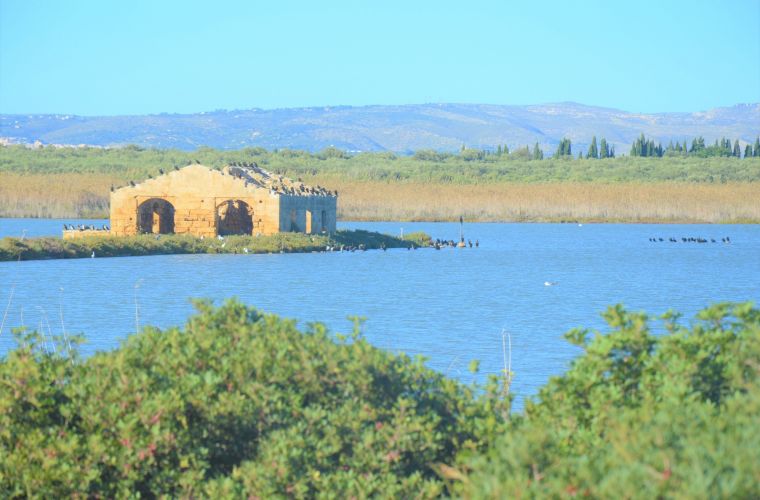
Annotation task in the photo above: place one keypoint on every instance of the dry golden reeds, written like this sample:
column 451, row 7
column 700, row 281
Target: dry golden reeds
column 631, row 202
column 87, row 195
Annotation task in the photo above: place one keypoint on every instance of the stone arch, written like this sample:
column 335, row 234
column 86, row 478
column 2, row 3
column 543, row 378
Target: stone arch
column 234, row 217
column 156, row 216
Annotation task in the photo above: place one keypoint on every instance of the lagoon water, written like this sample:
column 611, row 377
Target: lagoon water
column 449, row 305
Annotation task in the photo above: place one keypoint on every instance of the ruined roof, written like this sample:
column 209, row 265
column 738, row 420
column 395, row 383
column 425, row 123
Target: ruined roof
column 257, row 176
column 241, row 176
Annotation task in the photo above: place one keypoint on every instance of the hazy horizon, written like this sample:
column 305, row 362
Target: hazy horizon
column 90, row 58
column 371, row 105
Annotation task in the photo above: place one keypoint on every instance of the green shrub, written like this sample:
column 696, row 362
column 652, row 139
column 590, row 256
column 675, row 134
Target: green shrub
column 241, row 403
column 238, row 402
column 638, row 416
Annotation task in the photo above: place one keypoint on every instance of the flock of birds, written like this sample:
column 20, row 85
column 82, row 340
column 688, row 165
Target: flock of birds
column 690, row 240
column 277, row 185
column 83, row 227
column 438, row 243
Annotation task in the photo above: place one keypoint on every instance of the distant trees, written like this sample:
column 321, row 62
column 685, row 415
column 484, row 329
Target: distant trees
column 645, row 147
column 721, row 147
column 593, row 151
column 538, row 153
column 565, row 148
column 602, row 151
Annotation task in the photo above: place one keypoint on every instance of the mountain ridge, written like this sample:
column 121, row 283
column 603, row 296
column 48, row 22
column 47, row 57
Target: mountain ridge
column 398, row 128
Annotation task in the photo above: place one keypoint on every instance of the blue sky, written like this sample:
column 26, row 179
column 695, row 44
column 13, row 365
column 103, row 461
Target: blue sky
column 134, row 57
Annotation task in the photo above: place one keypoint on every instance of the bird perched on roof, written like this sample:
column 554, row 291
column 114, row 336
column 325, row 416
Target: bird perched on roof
column 132, row 183
column 161, row 171
column 177, row 168
column 112, row 188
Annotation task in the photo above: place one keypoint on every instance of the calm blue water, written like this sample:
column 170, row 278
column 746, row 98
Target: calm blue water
column 449, row 305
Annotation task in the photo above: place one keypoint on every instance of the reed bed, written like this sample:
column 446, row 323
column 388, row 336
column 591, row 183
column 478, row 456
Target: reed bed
column 86, row 195
column 628, row 202
column 55, row 195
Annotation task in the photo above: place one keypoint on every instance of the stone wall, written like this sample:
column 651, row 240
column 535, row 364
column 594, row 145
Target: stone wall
column 70, row 234
column 205, row 202
column 308, row 214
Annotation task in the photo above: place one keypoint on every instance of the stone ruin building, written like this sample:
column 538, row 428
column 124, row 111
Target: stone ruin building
column 239, row 199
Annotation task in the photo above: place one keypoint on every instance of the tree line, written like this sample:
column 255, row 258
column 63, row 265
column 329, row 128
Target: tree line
column 640, row 147
column 723, row 147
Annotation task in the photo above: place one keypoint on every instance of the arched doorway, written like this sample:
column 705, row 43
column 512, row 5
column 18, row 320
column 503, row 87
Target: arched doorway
column 234, row 217
column 155, row 216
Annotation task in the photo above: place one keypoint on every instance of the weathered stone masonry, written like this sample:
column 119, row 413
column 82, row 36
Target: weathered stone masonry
column 236, row 200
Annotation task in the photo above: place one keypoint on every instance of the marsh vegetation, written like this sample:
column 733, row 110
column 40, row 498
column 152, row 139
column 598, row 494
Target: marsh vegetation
column 74, row 182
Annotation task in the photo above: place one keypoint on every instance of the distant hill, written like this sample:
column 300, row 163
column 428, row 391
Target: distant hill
column 386, row 128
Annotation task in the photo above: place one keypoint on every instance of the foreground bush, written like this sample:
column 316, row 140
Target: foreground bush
column 638, row 416
column 243, row 404
column 236, row 403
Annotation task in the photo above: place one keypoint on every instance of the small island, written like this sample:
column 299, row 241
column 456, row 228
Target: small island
column 12, row 249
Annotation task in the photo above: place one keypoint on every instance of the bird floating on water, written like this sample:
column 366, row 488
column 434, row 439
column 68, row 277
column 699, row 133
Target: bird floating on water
column 93, row 254
column 550, row 283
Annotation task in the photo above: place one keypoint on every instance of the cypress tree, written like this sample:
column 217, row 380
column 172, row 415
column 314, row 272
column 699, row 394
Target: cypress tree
column 564, row 148
column 737, row 149
column 604, row 149
column 756, row 151
column 593, row 152
column 612, row 151
column 538, row 154
column 748, row 150
column 498, row 150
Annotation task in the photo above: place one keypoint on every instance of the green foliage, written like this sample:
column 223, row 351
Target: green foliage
column 470, row 166
column 593, row 151
column 241, row 403
column 639, row 415
column 119, row 246
column 538, row 153
column 564, row 149
column 238, row 403
column 646, row 147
